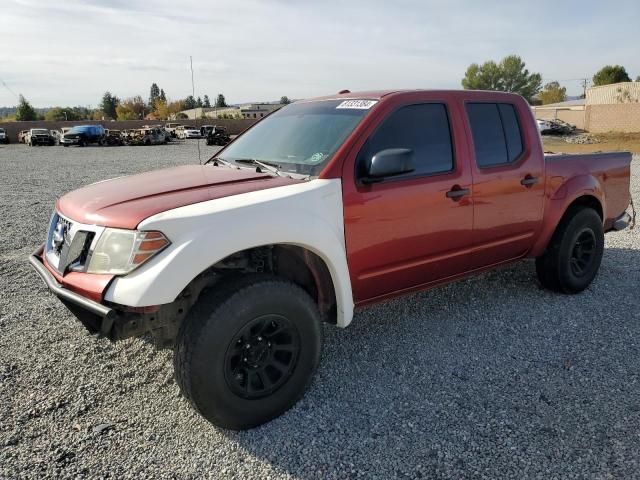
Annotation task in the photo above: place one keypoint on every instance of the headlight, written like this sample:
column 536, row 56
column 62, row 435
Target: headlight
column 119, row 252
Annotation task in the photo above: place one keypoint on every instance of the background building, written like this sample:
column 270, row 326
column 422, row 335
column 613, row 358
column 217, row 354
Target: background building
column 608, row 108
column 247, row 110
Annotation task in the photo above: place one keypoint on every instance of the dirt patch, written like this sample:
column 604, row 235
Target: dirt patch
column 629, row 142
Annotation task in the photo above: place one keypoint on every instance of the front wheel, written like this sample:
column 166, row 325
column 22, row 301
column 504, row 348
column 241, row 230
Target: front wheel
column 573, row 256
column 247, row 351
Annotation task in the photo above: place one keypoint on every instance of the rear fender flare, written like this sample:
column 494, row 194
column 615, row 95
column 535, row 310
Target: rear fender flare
column 559, row 201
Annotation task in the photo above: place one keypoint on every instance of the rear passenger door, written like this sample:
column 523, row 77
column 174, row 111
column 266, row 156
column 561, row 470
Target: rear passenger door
column 508, row 183
column 408, row 230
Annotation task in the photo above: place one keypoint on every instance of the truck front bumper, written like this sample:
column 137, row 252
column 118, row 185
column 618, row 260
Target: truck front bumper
column 97, row 318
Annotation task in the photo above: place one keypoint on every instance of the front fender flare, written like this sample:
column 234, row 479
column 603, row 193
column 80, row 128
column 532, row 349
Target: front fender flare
column 308, row 215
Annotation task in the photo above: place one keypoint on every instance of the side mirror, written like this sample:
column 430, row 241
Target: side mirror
column 388, row 163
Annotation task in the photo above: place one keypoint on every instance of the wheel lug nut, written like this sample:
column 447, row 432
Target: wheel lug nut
column 259, row 339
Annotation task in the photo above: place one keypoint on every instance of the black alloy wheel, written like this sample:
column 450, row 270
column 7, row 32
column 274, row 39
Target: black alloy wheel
column 583, row 252
column 262, row 356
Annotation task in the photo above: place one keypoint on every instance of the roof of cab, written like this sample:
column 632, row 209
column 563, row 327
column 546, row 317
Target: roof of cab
column 379, row 94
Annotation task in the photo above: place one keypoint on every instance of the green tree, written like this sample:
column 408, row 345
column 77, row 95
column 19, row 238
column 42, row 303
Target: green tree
column 611, row 74
column 220, row 101
column 25, row 112
column 638, row 78
column 199, row 102
column 133, row 108
column 510, row 75
column 284, row 100
column 163, row 96
column 60, row 113
column 154, row 94
column 206, row 103
column 190, row 103
column 108, row 105
column 553, row 93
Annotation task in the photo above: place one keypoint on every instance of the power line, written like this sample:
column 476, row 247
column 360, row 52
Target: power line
column 7, row 87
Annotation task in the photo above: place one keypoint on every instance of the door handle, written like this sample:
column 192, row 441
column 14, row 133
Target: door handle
column 529, row 181
column 456, row 193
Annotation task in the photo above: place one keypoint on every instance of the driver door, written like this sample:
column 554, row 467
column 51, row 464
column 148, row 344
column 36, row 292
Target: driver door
column 410, row 230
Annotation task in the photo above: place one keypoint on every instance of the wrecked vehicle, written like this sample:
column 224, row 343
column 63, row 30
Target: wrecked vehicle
column 22, row 136
column 325, row 206
column 113, row 138
column 147, row 136
column 555, row 127
column 4, row 137
column 39, row 137
column 218, row 136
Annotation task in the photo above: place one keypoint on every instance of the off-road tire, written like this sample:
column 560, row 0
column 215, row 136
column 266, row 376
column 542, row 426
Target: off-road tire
column 209, row 333
column 556, row 268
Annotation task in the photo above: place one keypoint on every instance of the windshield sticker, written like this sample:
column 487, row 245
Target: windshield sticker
column 317, row 157
column 358, row 104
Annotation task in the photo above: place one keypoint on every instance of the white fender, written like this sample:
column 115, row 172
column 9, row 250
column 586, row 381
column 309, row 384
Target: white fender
column 308, row 214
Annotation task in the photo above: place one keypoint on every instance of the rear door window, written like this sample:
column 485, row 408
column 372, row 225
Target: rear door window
column 497, row 138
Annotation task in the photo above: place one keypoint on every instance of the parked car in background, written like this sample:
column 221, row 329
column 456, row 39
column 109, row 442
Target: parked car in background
column 4, row 138
column 40, row 137
column 324, row 206
column 22, row 135
column 84, row 135
column 178, row 132
column 218, row 136
column 205, row 129
column 192, row 133
column 170, row 128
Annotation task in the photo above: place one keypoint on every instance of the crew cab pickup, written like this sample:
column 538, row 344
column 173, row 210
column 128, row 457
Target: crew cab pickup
column 323, row 207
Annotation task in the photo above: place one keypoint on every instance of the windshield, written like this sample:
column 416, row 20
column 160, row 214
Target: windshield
column 301, row 137
column 40, row 130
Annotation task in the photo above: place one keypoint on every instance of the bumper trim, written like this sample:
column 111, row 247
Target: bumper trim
column 66, row 294
column 621, row 222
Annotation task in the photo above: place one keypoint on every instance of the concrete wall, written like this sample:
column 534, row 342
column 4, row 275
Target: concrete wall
column 574, row 117
column 234, row 127
column 625, row 92
column 621, row 117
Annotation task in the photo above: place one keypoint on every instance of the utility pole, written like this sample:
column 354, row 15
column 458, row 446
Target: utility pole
column 584, row 82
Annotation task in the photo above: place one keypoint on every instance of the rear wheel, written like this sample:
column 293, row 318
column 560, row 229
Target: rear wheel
column 246, row 353
column 574, row 254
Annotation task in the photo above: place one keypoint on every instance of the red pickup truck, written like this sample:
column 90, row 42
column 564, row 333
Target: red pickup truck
column 323, row 207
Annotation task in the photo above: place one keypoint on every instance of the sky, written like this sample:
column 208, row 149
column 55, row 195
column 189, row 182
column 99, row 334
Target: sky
column 69, row 52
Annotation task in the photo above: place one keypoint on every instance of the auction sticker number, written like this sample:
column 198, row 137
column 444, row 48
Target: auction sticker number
column 358, row 104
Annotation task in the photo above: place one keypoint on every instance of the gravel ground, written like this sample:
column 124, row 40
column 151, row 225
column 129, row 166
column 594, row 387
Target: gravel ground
column 489, row 378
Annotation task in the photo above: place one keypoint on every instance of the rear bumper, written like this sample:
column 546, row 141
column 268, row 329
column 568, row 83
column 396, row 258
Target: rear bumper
column 621, row 222
column 96, row 317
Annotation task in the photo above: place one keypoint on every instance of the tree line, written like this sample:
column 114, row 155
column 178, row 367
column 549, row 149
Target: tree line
column 508, row 75
column 511, row 75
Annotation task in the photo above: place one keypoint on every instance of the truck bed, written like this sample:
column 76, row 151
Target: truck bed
column 607, row 172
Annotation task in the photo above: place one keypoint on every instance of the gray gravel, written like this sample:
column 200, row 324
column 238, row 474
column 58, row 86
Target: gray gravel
column 488, row 378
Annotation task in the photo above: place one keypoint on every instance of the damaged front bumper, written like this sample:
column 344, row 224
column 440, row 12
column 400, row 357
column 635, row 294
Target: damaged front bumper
column 97, row 318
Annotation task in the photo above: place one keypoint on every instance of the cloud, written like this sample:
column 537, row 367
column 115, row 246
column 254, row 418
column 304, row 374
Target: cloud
column 70, row 51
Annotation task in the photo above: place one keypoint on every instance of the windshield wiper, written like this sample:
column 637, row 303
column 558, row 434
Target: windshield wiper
column 219, row 160
column 266, row 166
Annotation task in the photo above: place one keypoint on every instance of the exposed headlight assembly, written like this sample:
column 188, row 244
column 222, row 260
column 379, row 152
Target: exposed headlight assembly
column 119, row 252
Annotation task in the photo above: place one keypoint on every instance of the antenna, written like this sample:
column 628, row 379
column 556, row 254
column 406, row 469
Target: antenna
column 195, row 110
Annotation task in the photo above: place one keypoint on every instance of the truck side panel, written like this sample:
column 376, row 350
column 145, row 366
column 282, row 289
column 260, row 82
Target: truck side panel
column 602, row 176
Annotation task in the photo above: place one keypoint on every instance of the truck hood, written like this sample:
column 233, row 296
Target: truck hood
column 125, row 201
